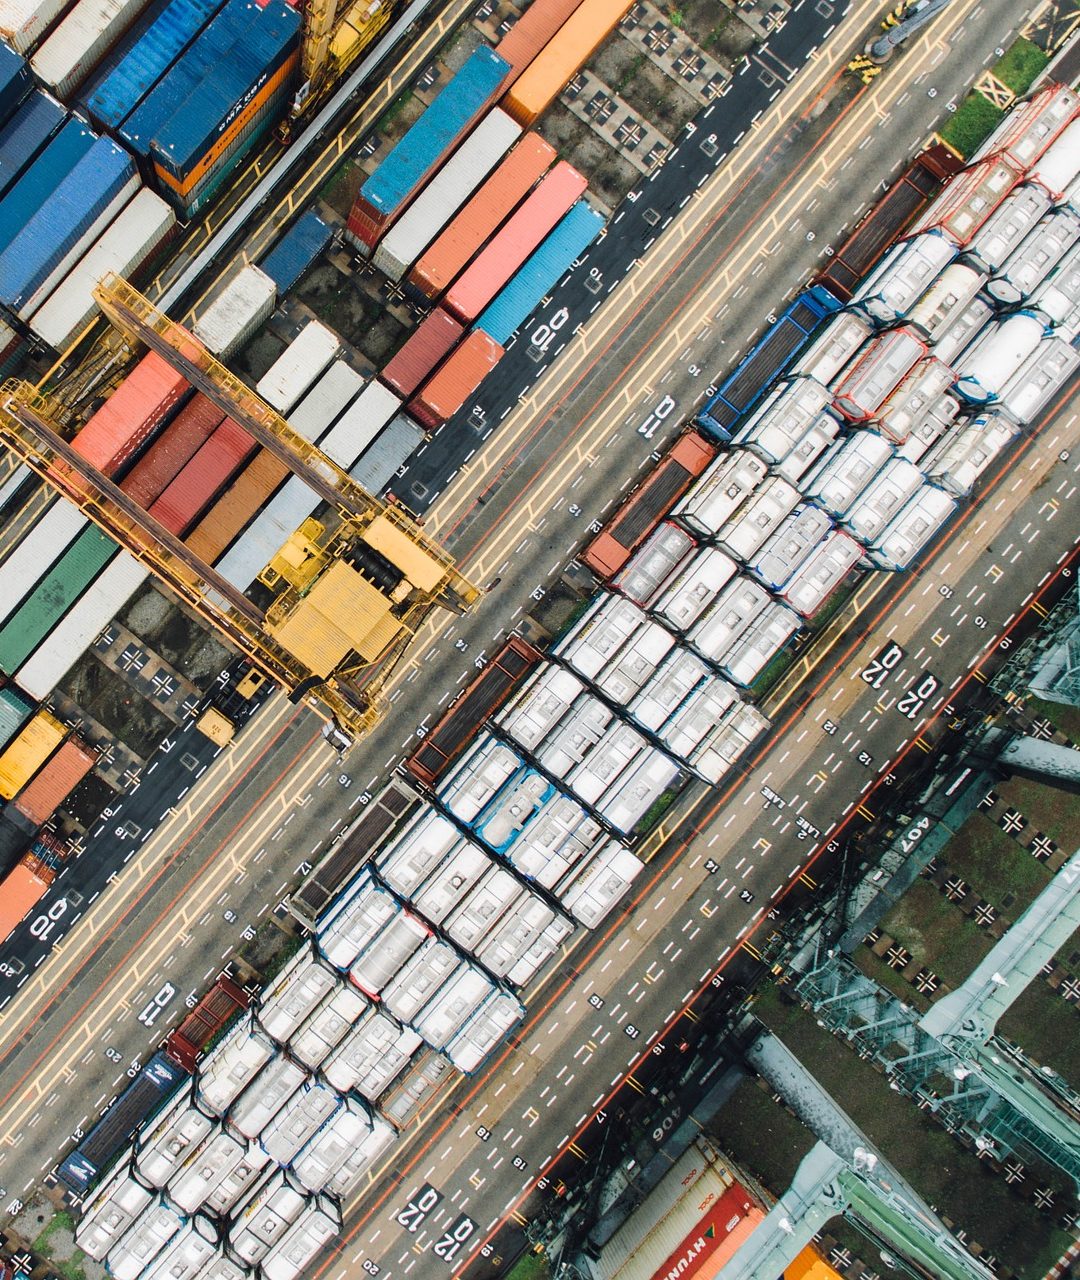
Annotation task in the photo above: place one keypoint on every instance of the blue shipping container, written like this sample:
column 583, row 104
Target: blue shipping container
column 54, row 164
column 538, row 275
column 26, row 133
column 451, row 112
column 15, row 82
column 297, row 249
column 116, row 95
column 69, row 213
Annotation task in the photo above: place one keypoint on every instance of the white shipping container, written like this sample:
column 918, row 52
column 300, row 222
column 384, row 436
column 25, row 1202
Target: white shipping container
column 780, row 423
column 1060, row 163
column 593, row 887
column 312, row 1231
column 946, row 299
column 186, row 1255
column 445, row 193
column 750, row 655
column 913, row 528
column 33, row 556
column 738, row 605
column 1007, row 226
column 720, row 490
column 960, row 460
column 1058, row 296
column 1030, row 127
column 265, row 1217
column 820, row 575
column 877, row 371
column 793, row 540
column 293, row 372
column 78, row 43
column 148, row 1235
column 24, row 22
column 992, row 359
column 904, row 274
column 230, row 321
column 123, row 248
column 326, row 401
column 833, row 348
column 880, row 501
column 908, row 405
column 963, row 329
column 486, row 1029
column 695, row 588
column 822, row 433
column 846, row 470
column 1041, row 376
column 640, row 787
column 392, row 448
column 1035, row 258
column 360, row 424
column 748, row 528
column 110, row 1211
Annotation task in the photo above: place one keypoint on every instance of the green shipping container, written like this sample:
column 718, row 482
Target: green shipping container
column 53, row 596
column 15, row 709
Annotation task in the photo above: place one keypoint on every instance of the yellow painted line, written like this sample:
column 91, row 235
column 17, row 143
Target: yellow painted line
column 635, row 1084
column 689, row 1013
column 923, row 745
column 1043, row 613
column 863, row 811
column 574, row 1149
column 808, row 880
column 520, row 1219
column 980, row 676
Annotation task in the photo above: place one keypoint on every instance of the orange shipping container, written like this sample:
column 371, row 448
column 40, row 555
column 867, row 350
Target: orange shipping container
column 130, row 416
column 480, row 219
column 531, row 32
column 20, row 891
column 444, row 394
column 40, row 799
column 236, row 506
column 562, row 58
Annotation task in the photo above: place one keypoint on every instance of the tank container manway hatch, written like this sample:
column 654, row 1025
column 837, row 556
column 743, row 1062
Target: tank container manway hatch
column 378, row 574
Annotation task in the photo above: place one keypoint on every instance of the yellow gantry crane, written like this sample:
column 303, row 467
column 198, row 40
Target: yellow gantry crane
column 336, row 32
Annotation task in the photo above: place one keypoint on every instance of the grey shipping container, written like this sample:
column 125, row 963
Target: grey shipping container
column 393, row 447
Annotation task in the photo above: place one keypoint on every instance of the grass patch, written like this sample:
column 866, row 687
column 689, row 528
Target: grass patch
column 878, row 971
column 973, row 121
column 937, row 933
column 1021, row 64
column 45, row 1246
column 994, row 865
column 530, row 1266
column 1045, row 1027
column 772, row 672
column 393, row 111
column 655, row 812
column 1047, row 808
column 1065, row 719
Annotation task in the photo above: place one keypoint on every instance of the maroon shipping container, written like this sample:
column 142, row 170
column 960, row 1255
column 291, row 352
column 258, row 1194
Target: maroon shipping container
column 177, row 444
column 53, row 783
column 444, row 394
column 492, row 268
column 428, row 344
column 215, row 1010
column 131, row 415
column 199, row 483
column 531, row 32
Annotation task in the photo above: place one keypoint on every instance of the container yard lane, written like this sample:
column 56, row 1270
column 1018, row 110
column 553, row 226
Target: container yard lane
column 665, row 332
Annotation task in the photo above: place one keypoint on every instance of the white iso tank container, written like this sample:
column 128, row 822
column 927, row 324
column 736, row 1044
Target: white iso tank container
column 231, row 320
column 359, row 425
column 313, row 1230
column 905, row 536
column 1059, row 164
column 575, row 736
column 902, row 277
column 846, row 470
column 928, row 429
column 635, row 663
column 110, row 1211
column 640, row 787
column 823, row 432
column 232, row 1064
column 217, row 1175
column 599, row 634
column 407, row 861
column 992, row 359
column 720, row 490
column 545, row 698
column 387, row 454
column 360, row 911
column 302, row 361
column 696, row 718
column 909, row 404
column 735, row 737
column 145, row 1239
column 751, row 525
column 415, row 986
column 265, row 1217
column 1035, row 258
column 266, row 1095
column 451, row 882
column 482, row 773
column 222, row 1268
column 453, row 1005
column 189, row 1251
column 652, row 566
column 963, row 330
column 302, row 1116
column 968, row 199
column 1057, row 298
column 163, row 1147
column 780, row 423
column 490, row 898
column 515, row 807
column 353, row 1173
column 592, row 888
column 484, row 1031
column 822, row 573
column 561, row 834
column 672, row 685
column 795, row 538
column 695, row 588
column 327, row 1027
column 834, row 347
column 876, row 373
column 613, row 753
column 946, row 299
column 294, row 994
column 883, row 497
column 523, row 941
column 1007, row 226
column 387, row 953
column 960, row 460
column 762, row 641
column 1039, row 378
column 371, row 1056
column 1030, row 127
column 445, row 194
column 132, row 239
column 738, row 605
column 77, row 44
column 330, row 1148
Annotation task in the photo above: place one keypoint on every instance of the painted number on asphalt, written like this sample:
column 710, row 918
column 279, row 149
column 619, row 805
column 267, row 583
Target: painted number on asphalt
column 912, row 702
column 876, row 672
column 155, row 1007
column 448, row 1245
column 420, row 1204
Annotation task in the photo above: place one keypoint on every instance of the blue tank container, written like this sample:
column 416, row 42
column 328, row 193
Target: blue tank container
column 116, row 95
column 68, row 214
column 540, row 272
column 29, row 129
column 297, row 249
column 15, row 82
column 51, row 167
column 451, row 112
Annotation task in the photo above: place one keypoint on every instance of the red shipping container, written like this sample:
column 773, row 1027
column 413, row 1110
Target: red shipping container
column 52, row 785
column 531, row 32
column 429, row 342
column 444, row 394
column 131, row 415
column 479, row 283
column 177, row 444
column 237, row 505
column 482, row 216
column 203, row 477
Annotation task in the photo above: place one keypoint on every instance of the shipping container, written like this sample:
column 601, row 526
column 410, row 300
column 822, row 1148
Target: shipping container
column 188, row 1253
column 747, row 530
column 203, row 477
column 129, row 243
column 871, row 378
column 558, row 252
column 903, row 275
column 936, row 419
column 173, row 448
column 795, row 539
column 237, row 506
column 752, row 652
column 968, row 200
column 20, row 891
column 531, row 32
column 963, row 329
column 152, row 1232
column 325, row 1154
column 829, row 353
column 213, row 1012
column 514, row 242
column 1057, row 168
column 218, row 1176
column 660, row 557
column 28, row 751
column 481, row 217
column 1057, row 298
column 78, row 43
column 66, row 148
column 15, row 710
column 24, row 22
column 1006, row 227
column 592, row 888
column 388, row 953
column 822, row 573
column 131, row 415
column 695, row 588
column 313, row 1230
column 298, row 366
column 57, row 591
column 428, row 142
column 31, row 558
column 740, row 603
column 720, row 492
column 906, row 536
column 915, row 395
column 162, row 1147
column 1033, row 260
column 110, row 1210
column 445, row 193
column 40, row 799
column 423, row 351
column 294, row 253
column 999, row 351
column 457, row 378
column 327, row 1026
column 371, row 1056
column 783, row 418
column 896, row 483
column 26, row 134
column 233, row 317
column 959, row 461
column 600, row 633
column 265, row 1217
column 1030, row 127
column 15, row 82
column 79, row 208
column 1042, row 375
column 946, row 299
column 81, row 625
column 845, row 471
column 359, row 426
column 572, row 45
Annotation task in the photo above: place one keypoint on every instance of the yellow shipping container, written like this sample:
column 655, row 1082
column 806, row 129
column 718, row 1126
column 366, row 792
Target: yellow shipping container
column 562, row 58
column 26, row 753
